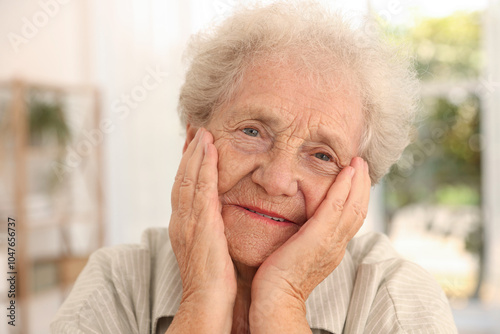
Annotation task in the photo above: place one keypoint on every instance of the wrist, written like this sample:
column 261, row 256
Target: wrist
column 278, row 312
column 204, row 312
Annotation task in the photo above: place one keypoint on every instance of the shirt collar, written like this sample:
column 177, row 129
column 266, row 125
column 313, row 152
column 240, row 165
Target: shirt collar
column 328, row 303
column 166, row 284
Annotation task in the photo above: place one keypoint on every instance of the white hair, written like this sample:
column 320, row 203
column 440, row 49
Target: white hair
column 323, row 43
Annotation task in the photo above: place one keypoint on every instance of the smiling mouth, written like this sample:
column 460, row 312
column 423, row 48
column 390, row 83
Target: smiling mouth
column 266, row 216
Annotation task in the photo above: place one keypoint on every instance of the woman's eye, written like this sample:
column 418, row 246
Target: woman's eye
column 322, row 156
column 251, row 132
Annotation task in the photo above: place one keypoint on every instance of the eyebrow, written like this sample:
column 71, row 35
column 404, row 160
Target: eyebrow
column 263, row 114
column 268, row 116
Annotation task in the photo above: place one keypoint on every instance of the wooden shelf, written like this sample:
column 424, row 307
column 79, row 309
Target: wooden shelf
column 38, row 210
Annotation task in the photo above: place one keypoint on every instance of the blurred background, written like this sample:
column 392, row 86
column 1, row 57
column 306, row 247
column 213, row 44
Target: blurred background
column 90, row 141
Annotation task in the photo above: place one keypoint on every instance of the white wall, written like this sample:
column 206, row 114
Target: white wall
column 42, row 44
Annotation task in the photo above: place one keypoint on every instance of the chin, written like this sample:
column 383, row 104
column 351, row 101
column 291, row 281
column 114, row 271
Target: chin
column 250, row 253
column 250, row 240
column 250, row 237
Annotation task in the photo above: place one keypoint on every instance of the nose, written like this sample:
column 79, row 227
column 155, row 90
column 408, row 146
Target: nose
column 277, row 173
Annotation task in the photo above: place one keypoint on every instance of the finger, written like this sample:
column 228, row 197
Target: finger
column 206, row 202
column 182, row 169
column 330, row 210
column 356, row 206
column 189, row 181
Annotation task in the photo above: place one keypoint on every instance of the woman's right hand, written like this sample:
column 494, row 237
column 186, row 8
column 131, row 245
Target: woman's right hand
column 197, row 235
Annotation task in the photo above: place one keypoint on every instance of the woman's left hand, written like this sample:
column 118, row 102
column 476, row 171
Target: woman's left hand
column 287, row 277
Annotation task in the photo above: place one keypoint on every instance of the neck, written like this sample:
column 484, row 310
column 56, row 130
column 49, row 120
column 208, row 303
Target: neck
column 241, row 309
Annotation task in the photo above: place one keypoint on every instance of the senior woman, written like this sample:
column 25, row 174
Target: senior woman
column 291, row 116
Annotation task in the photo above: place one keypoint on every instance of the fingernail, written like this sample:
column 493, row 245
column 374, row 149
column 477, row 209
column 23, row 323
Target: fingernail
column 197, row 135
column 352, row 171
column 204, row 136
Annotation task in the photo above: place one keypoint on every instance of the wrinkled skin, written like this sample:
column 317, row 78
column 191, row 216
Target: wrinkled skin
column 284, row 149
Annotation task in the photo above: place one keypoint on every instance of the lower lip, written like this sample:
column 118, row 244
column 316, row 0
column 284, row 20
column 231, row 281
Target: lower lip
column 266, row 220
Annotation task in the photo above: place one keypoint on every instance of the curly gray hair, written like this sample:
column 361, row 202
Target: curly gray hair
column 324, row 43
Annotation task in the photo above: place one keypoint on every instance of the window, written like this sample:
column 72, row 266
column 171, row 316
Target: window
column 434, row 197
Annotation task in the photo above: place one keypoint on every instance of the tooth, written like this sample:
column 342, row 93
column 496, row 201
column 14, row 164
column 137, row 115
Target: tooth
column 263, row 215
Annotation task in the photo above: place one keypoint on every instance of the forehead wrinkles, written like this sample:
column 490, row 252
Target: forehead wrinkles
column 308, row 123
column 331, row 127
column 284, row 100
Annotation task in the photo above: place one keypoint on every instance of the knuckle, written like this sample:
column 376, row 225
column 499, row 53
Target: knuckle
column 338, row 204
column 178, row 178
column 183, row 211
column 203, row 187
column 187, row 182
column 359, row 210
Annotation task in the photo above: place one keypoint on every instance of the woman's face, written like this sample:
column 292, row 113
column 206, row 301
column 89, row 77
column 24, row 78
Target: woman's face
column 281, row 144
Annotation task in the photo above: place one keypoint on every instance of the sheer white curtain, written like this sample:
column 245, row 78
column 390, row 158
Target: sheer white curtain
column 137, row 49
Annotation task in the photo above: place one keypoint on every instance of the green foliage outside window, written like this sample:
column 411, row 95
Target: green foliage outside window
column 442, row 166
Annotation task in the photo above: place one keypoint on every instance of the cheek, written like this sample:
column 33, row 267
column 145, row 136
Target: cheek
column 233, row 165
column 315, row 191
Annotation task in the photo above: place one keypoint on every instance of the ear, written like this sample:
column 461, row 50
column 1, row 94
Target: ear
column 190, row 133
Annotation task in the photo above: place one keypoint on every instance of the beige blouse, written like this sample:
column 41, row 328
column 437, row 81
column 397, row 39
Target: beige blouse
column 137, row 289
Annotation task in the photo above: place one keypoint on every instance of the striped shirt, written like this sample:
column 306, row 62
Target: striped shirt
column 137, row 289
